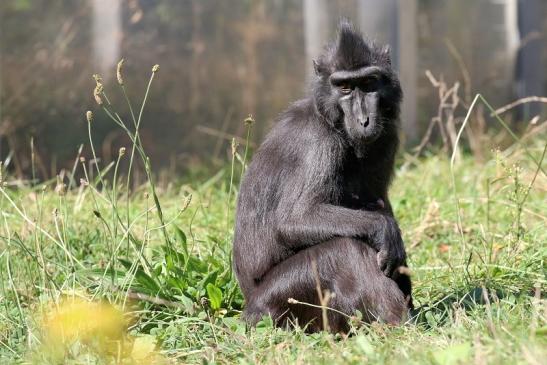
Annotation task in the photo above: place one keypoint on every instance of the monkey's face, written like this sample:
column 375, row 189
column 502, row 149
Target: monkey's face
column 361, row 96
column 356, row 89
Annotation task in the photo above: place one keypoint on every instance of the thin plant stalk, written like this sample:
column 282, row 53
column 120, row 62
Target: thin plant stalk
column 476, row 99
column 32, row 161
column 232, row 168
column 249, row 122
column 114, row 192
column 44, row 232
column 130, row 169
column 96, row 162
column 135, row 139
column 72, row 181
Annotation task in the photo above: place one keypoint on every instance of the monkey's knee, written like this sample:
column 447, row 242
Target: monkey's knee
column 390, row 304
column 257, row 308
column 253, row 313
column 362, row 286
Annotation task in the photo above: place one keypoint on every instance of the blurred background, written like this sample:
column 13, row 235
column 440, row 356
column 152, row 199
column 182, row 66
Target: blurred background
column 223, row 60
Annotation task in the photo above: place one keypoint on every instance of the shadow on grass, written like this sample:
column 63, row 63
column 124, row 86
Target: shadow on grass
column 439, row 312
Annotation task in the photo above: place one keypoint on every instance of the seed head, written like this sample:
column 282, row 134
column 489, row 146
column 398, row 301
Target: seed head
column 156, row 68
column 98, row 79
column 82, row 159
column 84, row 182
column 249, row 120
column 97, row 94
column 119, row 72
column 89, row 116
column 121, row 152
column 186, row 202
column 60, row 189
column 234, row 146
column 98, row 89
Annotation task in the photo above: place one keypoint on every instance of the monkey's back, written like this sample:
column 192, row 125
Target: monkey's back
column 267, row 183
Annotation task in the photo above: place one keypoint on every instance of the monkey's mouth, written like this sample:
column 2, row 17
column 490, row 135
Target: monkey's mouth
column 360, row 136
column 370, row 137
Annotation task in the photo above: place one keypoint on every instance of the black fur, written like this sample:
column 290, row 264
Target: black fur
column 317, row 190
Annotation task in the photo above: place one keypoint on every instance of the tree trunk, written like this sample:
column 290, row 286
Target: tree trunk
column 378, row 20
column 408, row 67
column 107, row 34
column 529, row 72
column 316, row 30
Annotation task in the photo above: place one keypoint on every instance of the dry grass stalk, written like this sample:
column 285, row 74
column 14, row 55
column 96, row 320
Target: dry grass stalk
column 529, row 99
column 444, row 119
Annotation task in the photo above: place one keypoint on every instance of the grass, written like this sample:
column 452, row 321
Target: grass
column 97, row 274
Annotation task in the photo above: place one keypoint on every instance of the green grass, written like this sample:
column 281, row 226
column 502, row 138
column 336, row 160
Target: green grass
column 451, row 273
column 475, row 237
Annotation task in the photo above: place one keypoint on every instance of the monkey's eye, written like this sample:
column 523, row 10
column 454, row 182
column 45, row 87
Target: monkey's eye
column 345, row 88
column 370, row 84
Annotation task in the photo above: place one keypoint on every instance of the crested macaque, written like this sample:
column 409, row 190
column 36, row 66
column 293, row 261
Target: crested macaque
column 313, row 207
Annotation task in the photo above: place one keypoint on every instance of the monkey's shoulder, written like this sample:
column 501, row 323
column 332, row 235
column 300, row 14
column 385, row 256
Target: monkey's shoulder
column 300, row 127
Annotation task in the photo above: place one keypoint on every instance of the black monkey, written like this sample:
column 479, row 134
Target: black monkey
column 316, row 191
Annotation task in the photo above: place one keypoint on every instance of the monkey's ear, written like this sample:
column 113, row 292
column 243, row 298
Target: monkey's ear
column 316, row 67
column 386, row 54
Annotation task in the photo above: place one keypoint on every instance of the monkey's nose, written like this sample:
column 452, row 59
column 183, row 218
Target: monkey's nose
column 366, row 123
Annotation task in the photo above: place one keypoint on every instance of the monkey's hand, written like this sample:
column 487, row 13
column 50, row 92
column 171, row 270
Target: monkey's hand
column 376, row 205
column 391, row 249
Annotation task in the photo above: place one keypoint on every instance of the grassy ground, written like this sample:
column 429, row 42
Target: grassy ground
column 90, row 274
column 479, row 288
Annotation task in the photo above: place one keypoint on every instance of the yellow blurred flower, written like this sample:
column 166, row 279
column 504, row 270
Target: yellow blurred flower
column 100, row 324
column 95, row 328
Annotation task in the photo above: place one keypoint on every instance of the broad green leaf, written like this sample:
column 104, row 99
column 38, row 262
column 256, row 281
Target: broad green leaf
column 142, row 278
column 215, row 296
column 176, row 282
column 181, row 237
column 210, row 277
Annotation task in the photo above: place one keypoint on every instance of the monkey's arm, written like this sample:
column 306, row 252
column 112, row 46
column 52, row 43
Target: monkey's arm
column 323, row 222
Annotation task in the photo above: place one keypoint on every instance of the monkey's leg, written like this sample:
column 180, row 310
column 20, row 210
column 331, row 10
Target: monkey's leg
column 347, row 268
